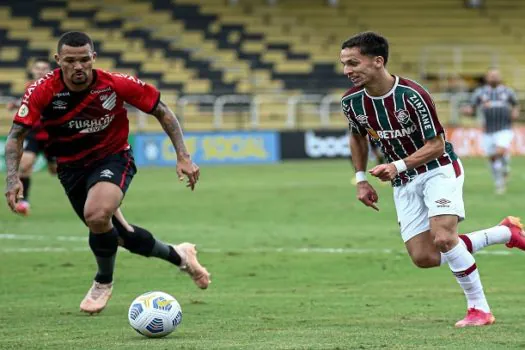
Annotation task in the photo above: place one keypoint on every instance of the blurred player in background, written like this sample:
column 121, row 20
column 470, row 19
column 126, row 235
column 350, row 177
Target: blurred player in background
column 426, row 174
column 82, row 110
column 34, row 142
column 499, row 106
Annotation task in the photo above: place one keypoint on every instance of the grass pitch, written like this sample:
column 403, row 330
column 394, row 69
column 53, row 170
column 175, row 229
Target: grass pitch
column 297, row 263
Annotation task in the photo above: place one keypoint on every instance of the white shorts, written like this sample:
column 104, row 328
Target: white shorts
column 501, row 139
column 436, row 192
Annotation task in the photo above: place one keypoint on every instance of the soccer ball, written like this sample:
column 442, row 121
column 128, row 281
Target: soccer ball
column 155, row 314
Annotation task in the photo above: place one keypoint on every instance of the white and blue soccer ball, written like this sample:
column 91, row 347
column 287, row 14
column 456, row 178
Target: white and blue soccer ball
column 155, row 314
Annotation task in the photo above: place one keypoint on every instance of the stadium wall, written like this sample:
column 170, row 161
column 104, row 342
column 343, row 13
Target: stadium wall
column 264, row 147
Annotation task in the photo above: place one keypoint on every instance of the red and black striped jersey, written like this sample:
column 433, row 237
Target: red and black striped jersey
column 400, row 121
column 89, row 125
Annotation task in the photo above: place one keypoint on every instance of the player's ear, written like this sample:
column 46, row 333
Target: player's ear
column 57, row 59
column 379, row 61
column 94, row 56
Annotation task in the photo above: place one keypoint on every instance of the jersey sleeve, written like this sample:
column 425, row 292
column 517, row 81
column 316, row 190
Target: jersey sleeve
column 353, row 125
column 356, row 128
column 136, row 92
column 31, row 106
column 426, row 114
column 513, row 99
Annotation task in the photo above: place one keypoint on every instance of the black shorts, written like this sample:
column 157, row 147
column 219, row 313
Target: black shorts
column 118, row 169
column 37, row 146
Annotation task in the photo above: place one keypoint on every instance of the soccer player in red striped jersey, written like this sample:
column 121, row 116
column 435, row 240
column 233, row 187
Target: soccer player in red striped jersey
column 34, row 142
column 426, row 174
column 82, row 110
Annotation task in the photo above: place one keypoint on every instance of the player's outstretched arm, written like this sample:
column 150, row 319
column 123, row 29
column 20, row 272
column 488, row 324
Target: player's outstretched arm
column 172, row 127
column 359, row 149
column 13, row 153
column 433, row 148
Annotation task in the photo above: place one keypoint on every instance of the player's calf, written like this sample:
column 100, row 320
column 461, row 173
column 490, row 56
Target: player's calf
column 140, row 241
column 426, row 259
column 422, row 250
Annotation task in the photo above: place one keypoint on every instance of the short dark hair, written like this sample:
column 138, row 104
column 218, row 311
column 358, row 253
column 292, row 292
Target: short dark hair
column 369, row 43
column 74, row 39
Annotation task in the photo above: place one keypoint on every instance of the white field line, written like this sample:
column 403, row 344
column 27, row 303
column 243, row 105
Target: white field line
column 349, row 251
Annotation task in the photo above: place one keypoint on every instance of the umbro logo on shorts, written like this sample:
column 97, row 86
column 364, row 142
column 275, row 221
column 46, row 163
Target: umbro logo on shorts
column 443, row 203
column 106, row 173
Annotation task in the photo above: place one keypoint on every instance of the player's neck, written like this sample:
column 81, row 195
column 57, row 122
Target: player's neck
column 381, row 86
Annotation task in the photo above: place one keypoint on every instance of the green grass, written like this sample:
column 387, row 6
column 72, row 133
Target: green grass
column 260, row 298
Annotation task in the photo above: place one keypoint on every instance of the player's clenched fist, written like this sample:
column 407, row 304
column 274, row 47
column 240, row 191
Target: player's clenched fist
column 385, row 172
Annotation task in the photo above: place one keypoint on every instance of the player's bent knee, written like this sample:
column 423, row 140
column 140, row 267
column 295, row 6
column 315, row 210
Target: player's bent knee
column 445, row 240
column 98, row 218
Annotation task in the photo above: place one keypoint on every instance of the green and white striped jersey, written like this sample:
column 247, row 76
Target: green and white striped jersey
column 400, row 121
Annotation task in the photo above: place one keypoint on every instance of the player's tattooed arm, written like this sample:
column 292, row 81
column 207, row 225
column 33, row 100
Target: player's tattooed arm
column 172, row 127
column 13, row 149
column 13, row 153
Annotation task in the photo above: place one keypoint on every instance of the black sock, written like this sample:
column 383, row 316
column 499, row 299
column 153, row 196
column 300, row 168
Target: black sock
column 142, row 242
column 104, row 246
column 26, row 183
column 166, row 252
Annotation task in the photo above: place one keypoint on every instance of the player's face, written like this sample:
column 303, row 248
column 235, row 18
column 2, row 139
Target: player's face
column 76, row 64
column 493, row 78
column 39, row 70
column 360, row 69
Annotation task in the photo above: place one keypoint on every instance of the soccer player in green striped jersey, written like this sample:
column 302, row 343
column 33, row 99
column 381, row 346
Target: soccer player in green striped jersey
column 500, row 108
column 426, row 174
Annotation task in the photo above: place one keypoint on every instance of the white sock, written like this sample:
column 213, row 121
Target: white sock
column 477, row 240
column 444, row 257
column 506, row 163
column 484, row 238
column 498, row 170
column 464, row 267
